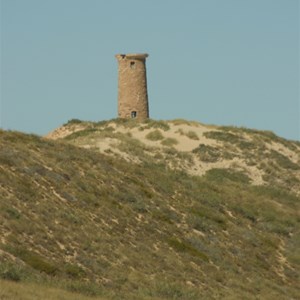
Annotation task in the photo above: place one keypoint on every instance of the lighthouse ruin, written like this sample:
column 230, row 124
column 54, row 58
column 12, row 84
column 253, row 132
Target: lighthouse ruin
column 132, row 86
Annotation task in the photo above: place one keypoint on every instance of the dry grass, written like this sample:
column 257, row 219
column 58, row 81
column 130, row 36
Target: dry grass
column 99, row 225
column 28, row 291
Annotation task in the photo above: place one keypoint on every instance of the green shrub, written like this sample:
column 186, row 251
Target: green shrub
column 208, row 215
column 11, row 274
column 248, row 212
column 155, row 135
column 80, row 133
column 192, row 135
column 170, row 290
column 276, row 227
column 207, row 153
column 222, row 136
column 221, row 175
column 73, row 271
column 183, row 246
column 34, row 260
column 73, row 121
column 156, row 124
column 200, row 224
column 10, row 271
column 109, row 129
column 171, row 151
column 101, row 123
column 127, row 123
column 180, row 131
column 283, row 161
column 85, row 288
column 9, row 158
column 13, row 213
column 169, row 142
column 231, row 138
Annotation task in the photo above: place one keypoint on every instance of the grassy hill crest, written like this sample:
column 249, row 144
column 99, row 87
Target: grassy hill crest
column 192, row 147
column 154, row 210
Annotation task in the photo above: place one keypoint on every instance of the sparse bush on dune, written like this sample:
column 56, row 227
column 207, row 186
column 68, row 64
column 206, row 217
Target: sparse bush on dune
column 74, row 121
column 227, row 174
column 283, row 161
column 192, row 135
column 207, row 153
column 178, row 122
column 163, row 125
column 155, row 135
column 169, row 142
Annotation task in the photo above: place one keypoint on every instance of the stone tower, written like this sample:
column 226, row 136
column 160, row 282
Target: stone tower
column 132, row 86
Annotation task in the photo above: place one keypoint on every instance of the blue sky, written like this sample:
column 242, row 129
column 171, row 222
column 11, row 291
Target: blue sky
column 224, row 62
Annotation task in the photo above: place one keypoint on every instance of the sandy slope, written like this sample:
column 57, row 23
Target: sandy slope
column 186, row 143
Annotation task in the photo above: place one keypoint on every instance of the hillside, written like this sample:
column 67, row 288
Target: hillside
column 192, row 147
column 153, row 210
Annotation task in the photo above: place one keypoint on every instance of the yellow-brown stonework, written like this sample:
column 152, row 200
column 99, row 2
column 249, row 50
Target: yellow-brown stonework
column 132, row 86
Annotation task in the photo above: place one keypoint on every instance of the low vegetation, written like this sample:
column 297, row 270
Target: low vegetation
column 76, row 223
column 192, row 135
column 33, row 291
column 208, row 153
column 155, row 135
column 169, row 142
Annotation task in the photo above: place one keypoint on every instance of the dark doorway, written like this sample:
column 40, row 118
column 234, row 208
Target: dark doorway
column 133, row 114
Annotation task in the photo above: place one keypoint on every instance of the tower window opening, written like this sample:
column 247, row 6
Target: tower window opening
column 133, row 114
column 132, row 65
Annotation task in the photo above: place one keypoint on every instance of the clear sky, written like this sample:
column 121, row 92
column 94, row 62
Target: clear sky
column 224, row 62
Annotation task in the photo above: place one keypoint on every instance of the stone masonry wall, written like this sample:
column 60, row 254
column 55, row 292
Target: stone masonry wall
column 132, row 86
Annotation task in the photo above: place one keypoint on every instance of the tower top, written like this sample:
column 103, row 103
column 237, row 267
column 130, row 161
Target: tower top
column 139, row 56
